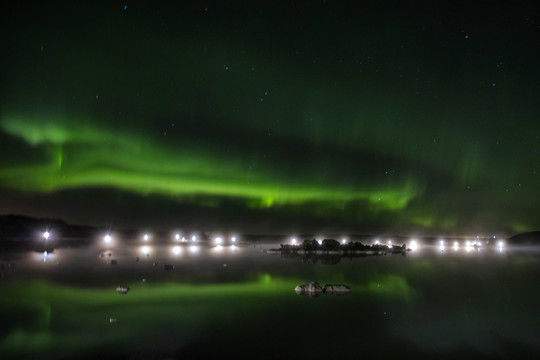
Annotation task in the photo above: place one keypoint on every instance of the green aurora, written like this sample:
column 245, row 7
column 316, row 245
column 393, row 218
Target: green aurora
column 386, row 120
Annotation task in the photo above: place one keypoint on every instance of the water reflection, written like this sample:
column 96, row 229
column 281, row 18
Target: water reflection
column 177, row 250
column 44, row 256
column 145, row 250
column 386, row 290
column 218, row 248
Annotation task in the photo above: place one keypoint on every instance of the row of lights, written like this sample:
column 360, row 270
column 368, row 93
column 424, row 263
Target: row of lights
column 218, row 240
column 146, row 237
column 413, row 243
column 178, row 250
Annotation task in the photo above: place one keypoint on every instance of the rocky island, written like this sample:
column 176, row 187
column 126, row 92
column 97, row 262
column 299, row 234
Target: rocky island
column 314, row 289
column 333, row 247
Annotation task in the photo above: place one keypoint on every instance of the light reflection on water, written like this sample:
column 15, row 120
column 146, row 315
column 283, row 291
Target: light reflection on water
column 465, row 301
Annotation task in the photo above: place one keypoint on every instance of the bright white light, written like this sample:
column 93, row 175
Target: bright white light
column 145, row 250
column 389, row 243
column 193, row 249
column 441, row 248
column 45, row 253
column 184, row 239
column 177, row 237
column 194, row 238
column 376, row 241
column 177, row 250
column 456, row 245
column 319, row 241
column 146, row 237
column 107, row 239
column 413, row 245
column 467, row 243
column 293, row 241
column 218, row 248
column 46, row 235
column 500, row 244
column 441, row 242
column 343, row 241
column 233, row 239
column 218, row 240
column 233, row 248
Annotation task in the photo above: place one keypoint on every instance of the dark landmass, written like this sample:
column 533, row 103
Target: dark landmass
column 528, row 238
column 24, row 233
column 20, row 227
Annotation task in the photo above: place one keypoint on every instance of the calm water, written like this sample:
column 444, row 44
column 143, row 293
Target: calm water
column 239, row 302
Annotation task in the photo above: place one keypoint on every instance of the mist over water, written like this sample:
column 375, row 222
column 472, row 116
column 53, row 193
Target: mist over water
column 237, row 301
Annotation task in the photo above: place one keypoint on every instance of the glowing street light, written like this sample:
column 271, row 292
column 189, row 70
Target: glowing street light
column 344, row 241
column 107, row 239
column 413, row 245
column 146, row 237
column 233, row 239
column 293, row 241
column 177, row 237
column 46, row 235
column 218, row 240
column 194, row 238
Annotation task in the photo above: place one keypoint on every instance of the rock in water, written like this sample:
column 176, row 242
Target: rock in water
column 312, row 287
column 336, row 289
column 122, row 289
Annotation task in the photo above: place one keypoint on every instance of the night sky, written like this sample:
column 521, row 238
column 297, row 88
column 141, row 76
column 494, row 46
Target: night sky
column 273, row 116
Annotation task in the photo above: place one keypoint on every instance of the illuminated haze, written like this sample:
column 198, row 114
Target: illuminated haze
column 273, row 117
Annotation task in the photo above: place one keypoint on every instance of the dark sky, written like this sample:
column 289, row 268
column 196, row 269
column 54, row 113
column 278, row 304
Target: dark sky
column 273, row 116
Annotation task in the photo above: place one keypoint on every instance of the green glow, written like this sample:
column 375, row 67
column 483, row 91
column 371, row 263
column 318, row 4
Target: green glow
column 390, row 285
column 52, row 309
column 376, row 129
column 127, row 161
